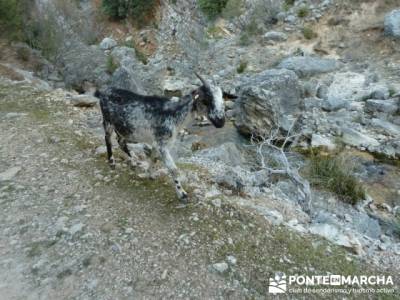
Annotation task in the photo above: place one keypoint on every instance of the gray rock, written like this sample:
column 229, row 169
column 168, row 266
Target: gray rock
column 392, row 23
column 275, row 36
column 107, row 44
column 231, row 260
column 386, row 127
column 227, row 153
column 121, row 53
column 309, row 65
column 239, row 178
column 9, row 174
column 333, row 234
column 382, row 94
column 322, row 92
column 101, row 150
column 221, row 267
column 124, row 78
column 84, row 100
column 84, row 64
column 333, row 104
column 322, row 141
column 355, row 138
column 76, row 228
column 174, row 87
column 266, row 100
column 390, row 106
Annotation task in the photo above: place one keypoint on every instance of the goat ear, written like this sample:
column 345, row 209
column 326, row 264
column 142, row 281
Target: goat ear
column 227, row 95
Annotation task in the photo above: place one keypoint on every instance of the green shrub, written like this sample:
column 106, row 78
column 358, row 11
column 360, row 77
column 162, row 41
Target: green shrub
column 139, row 10
column 303, row 12
column 244, row 39
column 11, row 18
column 242, row 67
column 212, row 8
column 232, row 9
column 141, row 56
column 44, row 35
column 111, row 65
column 335, row 174
column 308, row 33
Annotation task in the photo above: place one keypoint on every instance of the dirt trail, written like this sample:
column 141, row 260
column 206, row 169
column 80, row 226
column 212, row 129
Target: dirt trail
column 70, row 228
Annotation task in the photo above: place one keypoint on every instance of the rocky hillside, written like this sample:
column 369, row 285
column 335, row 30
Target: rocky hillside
column 308, row 164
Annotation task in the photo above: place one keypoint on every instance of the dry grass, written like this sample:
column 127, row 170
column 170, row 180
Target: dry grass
column 335, row 173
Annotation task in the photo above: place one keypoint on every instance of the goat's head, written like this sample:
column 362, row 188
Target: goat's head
column 209, row 99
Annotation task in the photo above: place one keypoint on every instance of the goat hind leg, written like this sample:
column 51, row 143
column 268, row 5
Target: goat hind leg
column 173, row 170
column 108, row 132
column 130, row 156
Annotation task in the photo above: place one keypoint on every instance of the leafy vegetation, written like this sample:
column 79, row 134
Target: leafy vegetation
column 233, row 8
column 335, row 174
column 242, row 67
column 111, row 65
column 140, row 11
column 11, row 18
column 212, row 8
column 308, row 33
column 303, row 12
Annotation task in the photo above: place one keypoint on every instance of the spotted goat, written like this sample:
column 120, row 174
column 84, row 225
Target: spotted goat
column 155, row 120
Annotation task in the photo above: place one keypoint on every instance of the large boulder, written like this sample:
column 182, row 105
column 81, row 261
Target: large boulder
column 82, row 64
column 227, row 153
column 125, row 78
column 357, row 139
column 392, row 23
column 345, row 88
column 389, row 106
column 267, row 100
column 309, row 65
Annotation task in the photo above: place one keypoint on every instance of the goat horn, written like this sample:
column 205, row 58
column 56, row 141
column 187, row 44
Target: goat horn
column 202, row 79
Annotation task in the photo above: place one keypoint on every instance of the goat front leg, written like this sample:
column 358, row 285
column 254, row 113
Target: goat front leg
column 174, row 172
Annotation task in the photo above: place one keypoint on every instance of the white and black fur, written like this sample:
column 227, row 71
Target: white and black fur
column 155, row 120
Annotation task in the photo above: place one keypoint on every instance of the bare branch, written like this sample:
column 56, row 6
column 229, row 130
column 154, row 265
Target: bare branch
column 286, row 169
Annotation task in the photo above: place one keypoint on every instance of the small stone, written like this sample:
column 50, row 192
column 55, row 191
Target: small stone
column 9, row 174
column 231, row 259
column 107, row 44
column 221, row 267
column 76, row 228
column 216, row 202
column 84, row 100
column 101, row 150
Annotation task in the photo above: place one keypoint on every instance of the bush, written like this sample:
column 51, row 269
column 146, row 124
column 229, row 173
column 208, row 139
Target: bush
column 335, row 174
column 242, row 67
column 111, row 65
column 44, row 35
column 308, row 33
column 232, row 9
column 11, row 18
column 139, row 10
column 212, row 8
column 303, row 12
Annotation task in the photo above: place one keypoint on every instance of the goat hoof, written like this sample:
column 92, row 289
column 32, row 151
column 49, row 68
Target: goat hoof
column 112, row 164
